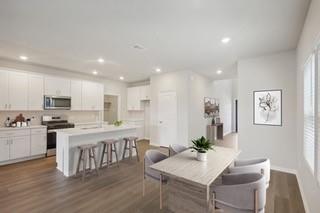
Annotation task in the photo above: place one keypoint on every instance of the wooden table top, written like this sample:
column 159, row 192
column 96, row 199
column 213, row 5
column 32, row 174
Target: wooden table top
column 186, row 167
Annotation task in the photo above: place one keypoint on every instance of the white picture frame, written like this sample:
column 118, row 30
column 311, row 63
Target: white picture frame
column 267, row 107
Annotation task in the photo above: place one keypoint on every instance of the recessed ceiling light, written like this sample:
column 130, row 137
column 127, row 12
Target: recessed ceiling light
column 121, row 78
column 158, row 70
column 219, row 72
column 100, row 60
column 23, row 57
column 95, row 72
column 138, row 46
column 225, row 40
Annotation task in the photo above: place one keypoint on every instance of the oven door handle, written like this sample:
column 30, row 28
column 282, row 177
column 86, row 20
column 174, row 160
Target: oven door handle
column 51, row 131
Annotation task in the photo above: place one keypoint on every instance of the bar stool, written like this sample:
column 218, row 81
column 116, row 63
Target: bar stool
column 132, row 141
column 86, row 151
column 110, row 145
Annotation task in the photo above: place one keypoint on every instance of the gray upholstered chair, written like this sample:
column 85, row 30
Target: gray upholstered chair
column 151, row 157
column 261, row 166
column 176, row 148
column 241, row 193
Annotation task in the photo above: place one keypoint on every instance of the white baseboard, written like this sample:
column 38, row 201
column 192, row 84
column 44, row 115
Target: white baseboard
column 304, row 199
column 282, row 169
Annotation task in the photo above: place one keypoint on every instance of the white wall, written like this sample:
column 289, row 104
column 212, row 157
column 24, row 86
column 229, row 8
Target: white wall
column 199, row 87
column 223, row 91
column 173, row 81
column 309, row 38
column 277, row 143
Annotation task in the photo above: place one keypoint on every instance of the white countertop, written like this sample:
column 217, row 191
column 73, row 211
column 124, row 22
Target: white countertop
column 21, row 128
column 95, row 130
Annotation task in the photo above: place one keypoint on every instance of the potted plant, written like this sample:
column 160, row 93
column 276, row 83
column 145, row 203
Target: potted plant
column 117, row 123
column 202, row 146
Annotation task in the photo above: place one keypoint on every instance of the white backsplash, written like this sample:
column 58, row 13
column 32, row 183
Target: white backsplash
column 72, row 116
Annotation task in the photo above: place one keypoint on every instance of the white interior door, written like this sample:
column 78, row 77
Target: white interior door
column 167, row 111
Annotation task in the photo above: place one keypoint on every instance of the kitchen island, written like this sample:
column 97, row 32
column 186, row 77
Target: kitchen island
column 68, row 140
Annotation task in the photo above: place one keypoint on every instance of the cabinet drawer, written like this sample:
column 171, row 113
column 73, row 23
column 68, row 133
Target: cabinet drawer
column 14, row 133
column 38, row 131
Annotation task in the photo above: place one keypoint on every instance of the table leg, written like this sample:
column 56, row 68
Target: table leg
column 160, row 191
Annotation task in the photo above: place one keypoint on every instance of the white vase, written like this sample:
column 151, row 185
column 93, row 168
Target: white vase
column 201, row 156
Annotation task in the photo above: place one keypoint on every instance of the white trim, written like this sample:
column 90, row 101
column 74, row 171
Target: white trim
column 22, row 159
column 282, row 169
column 227, row 133
column 303, row 196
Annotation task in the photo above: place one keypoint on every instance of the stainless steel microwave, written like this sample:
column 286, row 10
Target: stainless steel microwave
column 57, row 102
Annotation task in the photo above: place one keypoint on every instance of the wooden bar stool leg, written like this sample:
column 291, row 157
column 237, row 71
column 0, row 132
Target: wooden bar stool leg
column 130, row 149
column 124, row 149
column 79, row 162
column 116, row 153
column 84, row 164
column 103, row 153
column 108, row 155
column 135, row 146
column 90, row 159
column 95, row 161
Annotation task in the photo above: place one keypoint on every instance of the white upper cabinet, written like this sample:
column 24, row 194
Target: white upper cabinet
column 35, row 92
column 133, row 98
column 76, row 95
column 4, row 90
column 21, row 91
column 145, row 92
column 57, row 86
column 18, row 91
column 137, row 94
column 91, row 95
column 100, row 96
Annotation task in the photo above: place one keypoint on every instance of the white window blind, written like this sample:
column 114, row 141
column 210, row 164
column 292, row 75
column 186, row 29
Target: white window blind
column 309, row 113
column 317, row 145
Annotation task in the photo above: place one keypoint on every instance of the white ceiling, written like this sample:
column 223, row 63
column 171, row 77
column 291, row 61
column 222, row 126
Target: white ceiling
column 176, row 34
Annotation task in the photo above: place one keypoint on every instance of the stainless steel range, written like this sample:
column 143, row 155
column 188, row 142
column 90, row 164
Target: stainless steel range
column 53, row 123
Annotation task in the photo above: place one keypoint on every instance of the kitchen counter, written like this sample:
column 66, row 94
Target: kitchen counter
column 68, row 140
column 21, row 128
column 94, row 130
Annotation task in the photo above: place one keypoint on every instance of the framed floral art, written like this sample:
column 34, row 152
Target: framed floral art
column 267, row 109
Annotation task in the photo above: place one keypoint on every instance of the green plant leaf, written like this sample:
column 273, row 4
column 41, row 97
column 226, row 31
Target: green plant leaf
column 201, row 145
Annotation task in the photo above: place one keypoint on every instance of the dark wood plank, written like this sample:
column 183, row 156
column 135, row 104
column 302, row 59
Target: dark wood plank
column 36, row 186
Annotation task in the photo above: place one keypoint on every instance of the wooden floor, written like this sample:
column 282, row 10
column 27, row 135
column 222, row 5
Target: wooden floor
column 36, row 186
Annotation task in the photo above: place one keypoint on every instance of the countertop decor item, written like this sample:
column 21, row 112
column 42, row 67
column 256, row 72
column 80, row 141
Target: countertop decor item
column 202, row 146
column 117, row 123
column 7, row 122
column 267, row 107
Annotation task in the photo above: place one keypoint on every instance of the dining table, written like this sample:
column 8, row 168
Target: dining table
column 190, row 180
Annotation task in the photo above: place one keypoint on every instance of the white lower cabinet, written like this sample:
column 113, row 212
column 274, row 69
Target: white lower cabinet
column 140, row 129
column 38, row 144
column 4, row 149
column 17, row 145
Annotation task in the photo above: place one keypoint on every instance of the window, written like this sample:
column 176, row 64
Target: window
column 309, row 113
